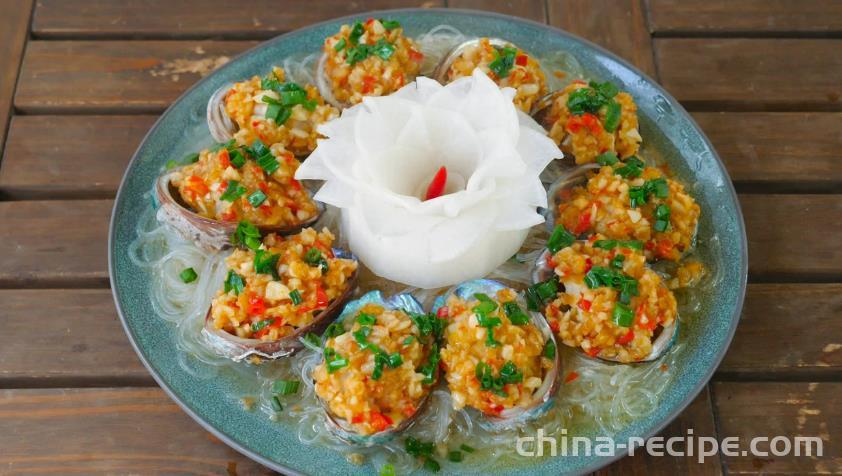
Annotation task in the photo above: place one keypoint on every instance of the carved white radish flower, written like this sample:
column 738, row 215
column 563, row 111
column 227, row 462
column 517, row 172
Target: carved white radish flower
column 436, row 184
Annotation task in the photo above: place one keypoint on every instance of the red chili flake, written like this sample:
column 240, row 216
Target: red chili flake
column 588, row 264
column 521, row 60
column 443, row 312
column 571, row 377
column 625, row 339
column 584, row 304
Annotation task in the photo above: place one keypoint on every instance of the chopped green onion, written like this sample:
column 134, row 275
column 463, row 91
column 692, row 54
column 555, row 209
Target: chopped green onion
column 356, row 32
column 266, row 263
column 538, row 294
column 504, row 61
column 257, row 198
column 276, row 403
column 188, row 275
column 429, row 369
column 339, row 45
column 234, row 282
column 662, row 215
column 335, row 329
column 312, row 341
column 549, row 349
column 395, row 360
column 559, row 239
column 171, row 164
column 237, row 158
column 515, row 313
column 617, row 261
column 256, row 326
column 466, row 448
column 612, row 116
column 390, row 24
column 334, row 361
column 295, row 296
column 387, row 470
column 607, row 89
column 383, row 49
column 455, row 456
column 366, row 319
column 431, row 465
column 607, row 158
column 191, row 158
column 247, row 235
column 632, row 168
column 220, row 146
column 286, row 387
column 408, row 340
column 233, row 191
column 637, row 196
column 611, row 244
column 622, row 315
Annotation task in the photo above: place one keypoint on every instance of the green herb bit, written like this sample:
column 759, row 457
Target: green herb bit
column 335, row 329
column 611, row 244
column 409, row 340
column 427, row 323
column 504, row 61
column 340, row 45
column 286, row 387
column 560, row 238
column 486, row 305
column 257, row 198
column 622, row 315
column 387, row 470
column 247, row 235
column 659, row 187
column 383, row 49
column 366, row 319
column 429, row 369
column 295, row 297
column 234, row 282
column 416, row 447
column 510, row 373
column 466, row 448
column 171, row 164
column 515, row 313
column 276, row 403
column 218, row 147
column 549, row 349
column 233, row 191
column 314, row 257
column 389, row 24
column 256, row 326
column 356, row 32
column 617, row 261
column 190, row 158
column 395, row 360
column 312, row 341
column 538, row 294
column 662, row 215
column 607, row 158
column 236, row 158
column 266, row 263
column 431, row 465
column 455, row 456
column 637, row 196
column 357, row 53
column 188, row 275
column 613, row 113
column 333, row 360
column 606, row 89
column 632, row 168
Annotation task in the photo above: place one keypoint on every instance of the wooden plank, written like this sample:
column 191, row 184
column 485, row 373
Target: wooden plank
column 115, row 76
column 793, row 236
column 760, row 157
column 770, row 409
column 746, row 17
column 619, row 25
column 751, row 73
column 62, row 243
column 108, row 431
column 790, row 330
column 698, row 417
column 69, row 156
column 64, row 336
column 54, row 243
column 253, row 19
column 531, row 9
column 14, row 25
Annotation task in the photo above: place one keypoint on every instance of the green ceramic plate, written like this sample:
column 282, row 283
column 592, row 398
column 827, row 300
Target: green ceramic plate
column 669, row 133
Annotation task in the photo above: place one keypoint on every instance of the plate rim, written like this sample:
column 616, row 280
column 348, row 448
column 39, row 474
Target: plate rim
column 599, row 462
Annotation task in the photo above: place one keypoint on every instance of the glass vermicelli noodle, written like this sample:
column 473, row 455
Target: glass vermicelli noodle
column 596, row 398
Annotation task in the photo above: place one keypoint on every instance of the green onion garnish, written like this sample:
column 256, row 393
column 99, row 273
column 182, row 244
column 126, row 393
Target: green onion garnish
column 607, row 158
column 233, row 191
column 295, row 296
column 383, row 49
column 356, row 32
column 559, row 239
column 408, row 340
column 339, row 45
column 387, row 470
column 266, row 263
column 335, row 329
column 257, row 198
column 236, row 158
column 234, row 282
column 312, row 342
column 334, row 361
column 612, row 116
column 191, row 158
column 466, row 448
column 455, row 456
column 431, row 465
column 617, row 261
column 662, row 215
column 515, row 313
column 390, row 24
column 549, row 349
column 171, row 164
column 276, row 403
column 256, row 326
column 611, row 244
column 632, row 168
column 286, row 387
column 504, row 61
column 538, row 294
column 366, row 319
column 188, row 275
column 247, row 235
column 429, row 369
column 622, row 315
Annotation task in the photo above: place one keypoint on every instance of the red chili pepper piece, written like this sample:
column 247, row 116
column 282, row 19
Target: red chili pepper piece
column 436, row 187
column 571, row 377
column 443, row 312
column 626, row 338
column 321, row 298
column 256, row 305
column 521, row 60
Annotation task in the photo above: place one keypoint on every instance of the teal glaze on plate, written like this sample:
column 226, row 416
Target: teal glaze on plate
column 669, row 134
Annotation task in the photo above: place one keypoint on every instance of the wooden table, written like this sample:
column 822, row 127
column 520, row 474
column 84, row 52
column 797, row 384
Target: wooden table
column 81, row 81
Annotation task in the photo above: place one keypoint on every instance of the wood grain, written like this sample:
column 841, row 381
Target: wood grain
column 791, row 152
column 85, row 157
column 14, row 25
column 115, row 76
column 54, row 243
column 699, row 417
column 752, row 74
column 62, row 243
column 770, row 409
column 531, row 9
column 252, row 19
column 745, row 17
column 618, row 25
column 69, row 156
column 787, row 330
column 793, row 236
column 108, row 431
column 64, row 336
